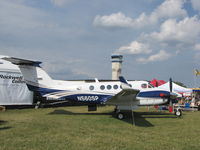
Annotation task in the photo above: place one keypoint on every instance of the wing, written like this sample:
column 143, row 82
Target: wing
column 124, row 97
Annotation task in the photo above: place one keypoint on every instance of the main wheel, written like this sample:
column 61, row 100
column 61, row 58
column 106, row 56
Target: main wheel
column 120, row 115
column 178, row 113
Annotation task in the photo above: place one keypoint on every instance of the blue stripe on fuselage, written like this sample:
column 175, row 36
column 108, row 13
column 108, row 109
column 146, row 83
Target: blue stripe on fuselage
column 84, row 98
column 42, row 91
column 152, row 94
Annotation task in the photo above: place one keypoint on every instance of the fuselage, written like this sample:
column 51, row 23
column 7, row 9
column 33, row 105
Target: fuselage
column 98, row 92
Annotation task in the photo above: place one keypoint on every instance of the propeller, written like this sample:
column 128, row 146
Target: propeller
column 170, row 84
column 170, row 89
column 170, row 99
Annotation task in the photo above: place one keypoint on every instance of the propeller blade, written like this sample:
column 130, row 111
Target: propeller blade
column 170, row 85
column 170, row 98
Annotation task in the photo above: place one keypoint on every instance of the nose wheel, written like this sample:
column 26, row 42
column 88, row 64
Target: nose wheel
column 178, row 112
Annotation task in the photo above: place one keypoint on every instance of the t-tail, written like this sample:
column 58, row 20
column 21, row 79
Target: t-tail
column 35, row 77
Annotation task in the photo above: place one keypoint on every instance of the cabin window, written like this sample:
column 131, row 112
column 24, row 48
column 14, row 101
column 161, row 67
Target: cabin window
column 115, row 87
column 130, row 85
column 91, row 87
column 109, row 87
column 102, row 87
column 144, row 85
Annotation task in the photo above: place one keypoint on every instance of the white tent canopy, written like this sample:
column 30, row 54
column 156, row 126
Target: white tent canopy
column 176, row 88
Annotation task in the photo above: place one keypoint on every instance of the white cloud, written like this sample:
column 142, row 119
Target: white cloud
column 21, row 22
column 197, row 47
column 53, row 66
column 168, row 9
column 16, row 15
column 60, row 3
column 116, row 19
column 196, row 4
column 121, row 20
column 161, row 56
column 186, row 30
column 134, row 47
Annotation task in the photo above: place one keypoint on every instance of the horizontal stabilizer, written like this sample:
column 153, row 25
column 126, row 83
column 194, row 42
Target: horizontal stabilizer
column 19, row 61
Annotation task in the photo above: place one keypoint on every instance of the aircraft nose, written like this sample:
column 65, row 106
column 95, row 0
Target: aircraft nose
column 171, row 95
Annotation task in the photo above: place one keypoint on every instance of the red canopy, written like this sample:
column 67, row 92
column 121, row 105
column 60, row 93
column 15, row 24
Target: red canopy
column 157, row 83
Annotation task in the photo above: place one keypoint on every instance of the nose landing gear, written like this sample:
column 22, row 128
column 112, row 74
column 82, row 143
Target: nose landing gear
column 178, row 112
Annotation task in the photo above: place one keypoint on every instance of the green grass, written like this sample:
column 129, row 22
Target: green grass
column 73, row 128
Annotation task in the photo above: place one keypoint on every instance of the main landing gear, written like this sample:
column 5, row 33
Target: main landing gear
column 119, row 115
column 178, row 112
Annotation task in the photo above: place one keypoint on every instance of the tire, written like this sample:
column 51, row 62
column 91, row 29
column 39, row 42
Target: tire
column 178, row 113
column 120, row 116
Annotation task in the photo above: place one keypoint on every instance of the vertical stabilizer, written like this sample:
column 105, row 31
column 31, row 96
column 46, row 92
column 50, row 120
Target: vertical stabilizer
column 34, row 76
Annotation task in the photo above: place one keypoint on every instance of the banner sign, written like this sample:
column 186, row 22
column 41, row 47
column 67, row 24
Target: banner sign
column 13, row 90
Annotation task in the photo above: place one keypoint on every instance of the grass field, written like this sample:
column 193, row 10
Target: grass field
column 73, row 128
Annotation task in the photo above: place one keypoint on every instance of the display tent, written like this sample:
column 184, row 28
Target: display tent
column 157, row 83
column 176, row 88
column 13, row 90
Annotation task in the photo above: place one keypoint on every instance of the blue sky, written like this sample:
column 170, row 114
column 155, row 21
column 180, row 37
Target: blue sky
column 76, row 38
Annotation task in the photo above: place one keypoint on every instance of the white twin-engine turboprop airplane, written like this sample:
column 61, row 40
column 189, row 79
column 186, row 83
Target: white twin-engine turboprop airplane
column 122, row 94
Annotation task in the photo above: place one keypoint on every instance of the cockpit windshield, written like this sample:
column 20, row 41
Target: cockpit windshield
column 150, row 85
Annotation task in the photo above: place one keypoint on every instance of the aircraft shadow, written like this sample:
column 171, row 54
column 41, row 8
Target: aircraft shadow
column 65, row 112
column 156, row 115
column 2, row 122
column 138, row 120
